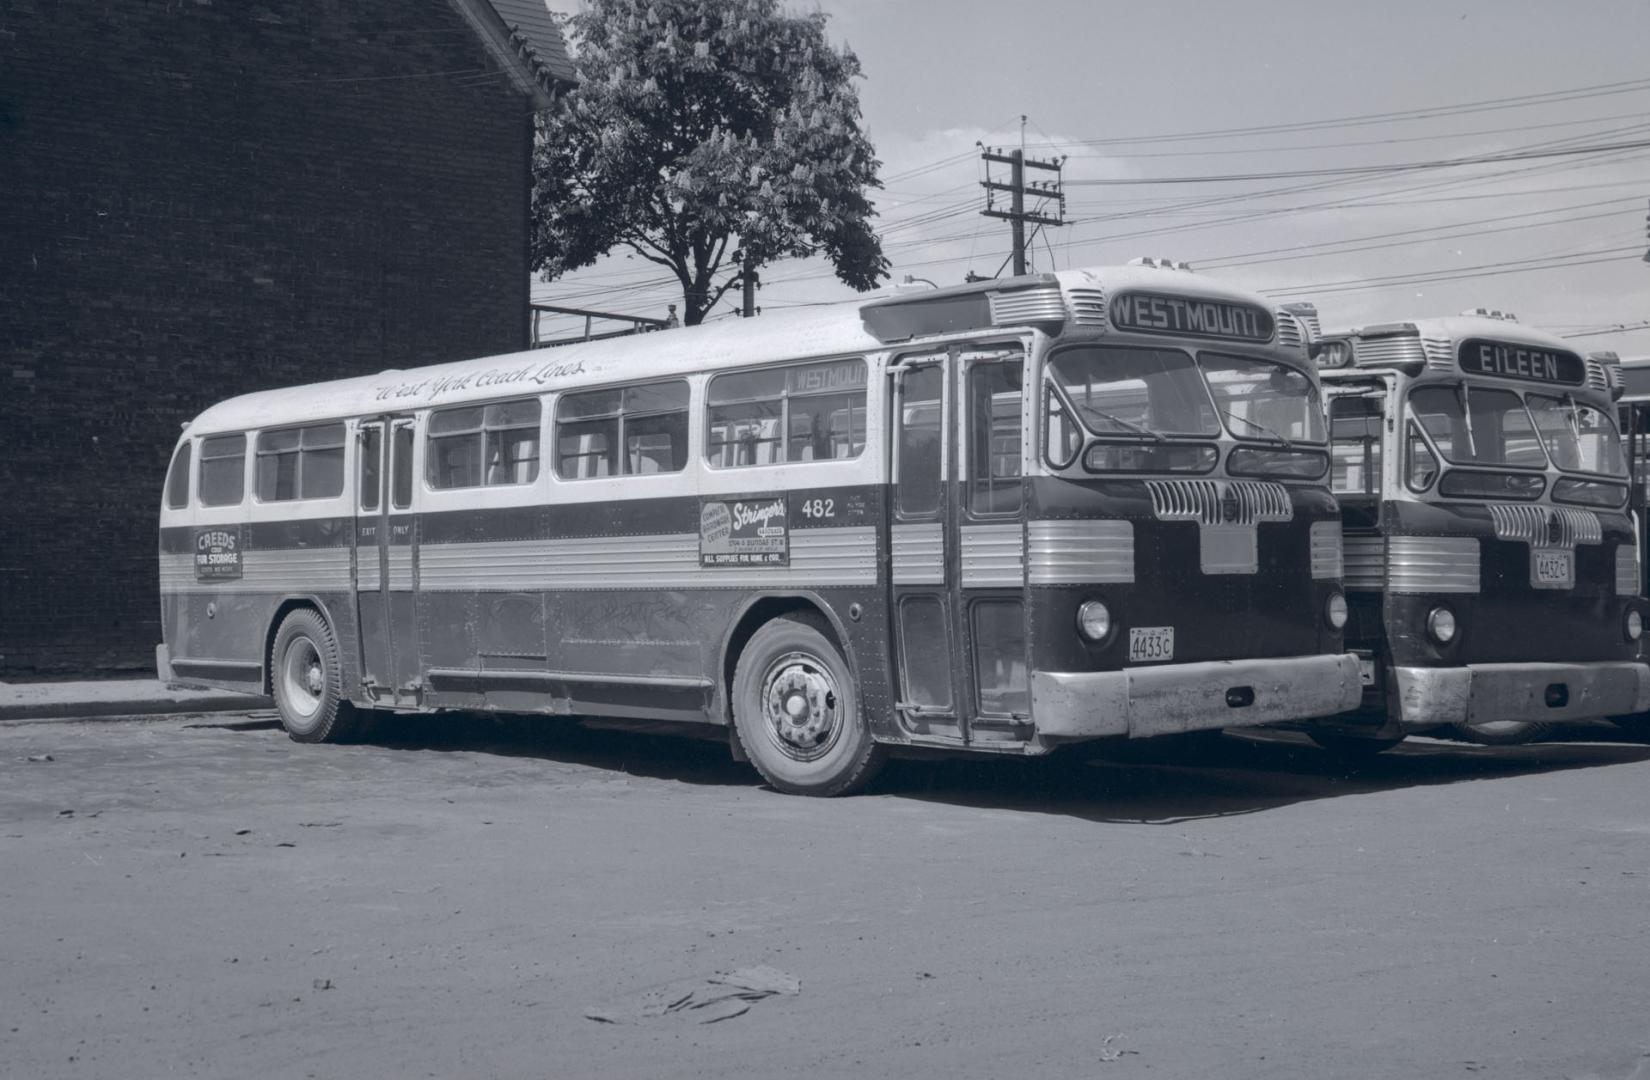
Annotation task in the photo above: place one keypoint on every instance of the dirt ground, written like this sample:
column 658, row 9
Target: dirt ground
column 203, row 897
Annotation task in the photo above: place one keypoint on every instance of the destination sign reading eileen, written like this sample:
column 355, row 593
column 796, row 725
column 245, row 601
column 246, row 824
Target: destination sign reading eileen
column 1156, row 313
column 1506, row 360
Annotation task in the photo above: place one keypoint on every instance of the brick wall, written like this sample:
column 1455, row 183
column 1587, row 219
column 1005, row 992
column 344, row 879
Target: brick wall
column 200, row 198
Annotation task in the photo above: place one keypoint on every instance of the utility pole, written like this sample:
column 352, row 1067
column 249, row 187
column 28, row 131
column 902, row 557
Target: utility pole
column 747, row 279
column 1043, row 191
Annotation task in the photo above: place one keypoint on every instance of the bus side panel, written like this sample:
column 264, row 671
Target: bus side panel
column 623, row 607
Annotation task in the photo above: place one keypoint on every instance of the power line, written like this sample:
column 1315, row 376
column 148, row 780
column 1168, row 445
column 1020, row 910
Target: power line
column 1360, row 120
column 1357, row 170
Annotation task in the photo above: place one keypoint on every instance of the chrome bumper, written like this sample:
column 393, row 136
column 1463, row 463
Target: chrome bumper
column 1173, row 698
column 1475, row 693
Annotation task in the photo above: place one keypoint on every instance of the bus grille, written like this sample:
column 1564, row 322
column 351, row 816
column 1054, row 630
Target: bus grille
column 1545, row 526
column 1088, row 307
column 1220, row 502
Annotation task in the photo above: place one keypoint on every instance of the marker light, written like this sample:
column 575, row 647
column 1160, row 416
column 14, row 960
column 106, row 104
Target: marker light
column 1441, row 625
column 1334, row 610
column 1633, row 625
column 1094, row 620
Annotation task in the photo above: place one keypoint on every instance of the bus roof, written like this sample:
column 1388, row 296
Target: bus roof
column 853, row 326
column 1502, row 351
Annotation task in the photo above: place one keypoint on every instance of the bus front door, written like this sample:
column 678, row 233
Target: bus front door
column 956, row 547
column 385, row 554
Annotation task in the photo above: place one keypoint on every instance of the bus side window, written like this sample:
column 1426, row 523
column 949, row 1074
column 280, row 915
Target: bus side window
column 490, row 445
column 1355, row 445
column 223, row 470
column 626, row 431
column 177, row 478
column 301, row 463
column 800, row 412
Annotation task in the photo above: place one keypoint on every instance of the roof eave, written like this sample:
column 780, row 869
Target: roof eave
column 533, row 79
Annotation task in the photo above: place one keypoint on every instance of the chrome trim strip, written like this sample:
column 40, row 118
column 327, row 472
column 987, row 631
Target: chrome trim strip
column 1328, row 561
column 993, row 556
column 1364, row 560
column 1042, row 303
column 918, row 554
column 1627, row 570
column 1432, row 564
column 1080, row 552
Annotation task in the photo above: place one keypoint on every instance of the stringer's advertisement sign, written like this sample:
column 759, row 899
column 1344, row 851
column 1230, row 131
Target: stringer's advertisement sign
column 745, row 532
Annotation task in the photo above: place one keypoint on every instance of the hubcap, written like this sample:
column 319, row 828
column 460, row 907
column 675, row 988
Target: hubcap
column 800, row 705
column 303, row 678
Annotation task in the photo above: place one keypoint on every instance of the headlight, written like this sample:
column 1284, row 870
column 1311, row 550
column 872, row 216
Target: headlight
column 1633, row 625
column 1094, row 620
column 1441, row 625
column 1334, row 610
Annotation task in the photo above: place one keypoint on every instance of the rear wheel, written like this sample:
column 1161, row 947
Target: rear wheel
column 796, row 711
column 307, row 681
column 1503, row 732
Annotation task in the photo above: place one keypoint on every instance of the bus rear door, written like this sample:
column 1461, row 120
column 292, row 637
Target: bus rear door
column 385, row 555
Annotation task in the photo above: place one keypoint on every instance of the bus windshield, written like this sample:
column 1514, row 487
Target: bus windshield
column 1262, row 400
column 1578, row 437
column 1478, row 425
column 1133, row 391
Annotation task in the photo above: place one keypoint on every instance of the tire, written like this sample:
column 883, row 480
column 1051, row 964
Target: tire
column 825, row 749
column 1503, row 732
column 1353, row 747
column 305, row 676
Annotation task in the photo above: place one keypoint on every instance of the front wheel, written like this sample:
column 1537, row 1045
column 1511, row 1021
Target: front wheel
column 307, row 682
column 796, row 712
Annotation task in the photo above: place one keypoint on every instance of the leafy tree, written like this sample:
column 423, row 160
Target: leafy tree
column 710, row 136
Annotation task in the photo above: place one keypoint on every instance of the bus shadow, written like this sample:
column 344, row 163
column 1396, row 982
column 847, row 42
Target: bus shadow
column 1171, row 780
column 1158, row 781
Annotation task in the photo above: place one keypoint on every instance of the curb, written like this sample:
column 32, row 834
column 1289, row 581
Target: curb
column 131, row 708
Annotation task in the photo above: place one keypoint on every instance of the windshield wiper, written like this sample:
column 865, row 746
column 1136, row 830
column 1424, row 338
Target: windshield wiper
column 1127, row 425
column 1283, row 440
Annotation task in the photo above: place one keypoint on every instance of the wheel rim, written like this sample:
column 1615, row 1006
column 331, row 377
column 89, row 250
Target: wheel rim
column 801, row 706
column 303, row 677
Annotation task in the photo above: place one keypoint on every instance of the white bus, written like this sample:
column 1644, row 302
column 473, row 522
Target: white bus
column 1491, row 564
column 836, row 533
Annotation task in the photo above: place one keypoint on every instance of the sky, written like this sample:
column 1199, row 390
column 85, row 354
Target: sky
column 1165, row 111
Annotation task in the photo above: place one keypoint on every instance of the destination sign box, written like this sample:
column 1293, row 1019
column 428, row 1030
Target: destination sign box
column 1507, row 360
column 1185, row 316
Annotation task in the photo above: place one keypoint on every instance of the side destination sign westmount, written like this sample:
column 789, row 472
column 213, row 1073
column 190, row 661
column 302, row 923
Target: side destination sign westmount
column 1479, row 356
column 1185, row 316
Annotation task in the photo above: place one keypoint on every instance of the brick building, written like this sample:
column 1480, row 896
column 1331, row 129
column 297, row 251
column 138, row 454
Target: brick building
column 207, row 197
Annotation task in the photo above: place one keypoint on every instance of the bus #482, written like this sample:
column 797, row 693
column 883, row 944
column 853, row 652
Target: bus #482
column 1490, row 563
column 1001, row 517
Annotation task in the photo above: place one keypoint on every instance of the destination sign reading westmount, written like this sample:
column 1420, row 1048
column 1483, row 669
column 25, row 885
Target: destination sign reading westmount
column 1158, row 313
column 1507, row 360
